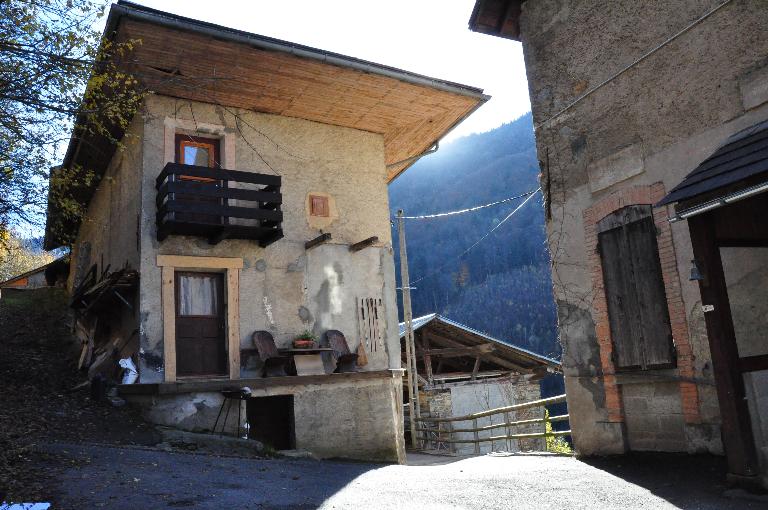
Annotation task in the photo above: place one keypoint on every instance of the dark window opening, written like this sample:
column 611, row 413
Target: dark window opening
column 634, row 290
column 271, row 421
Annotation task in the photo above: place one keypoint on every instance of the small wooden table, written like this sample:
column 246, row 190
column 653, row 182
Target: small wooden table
column 308, row 361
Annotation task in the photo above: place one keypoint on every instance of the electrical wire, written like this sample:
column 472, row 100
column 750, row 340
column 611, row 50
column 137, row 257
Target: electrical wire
column 442, row 266
column 633, row 64
column 470, row 209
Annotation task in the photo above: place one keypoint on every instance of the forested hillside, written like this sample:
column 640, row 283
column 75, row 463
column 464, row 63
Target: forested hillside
column 502, row 286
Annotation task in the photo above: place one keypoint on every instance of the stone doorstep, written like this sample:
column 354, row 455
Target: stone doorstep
column 210, row 443
column 223, row 444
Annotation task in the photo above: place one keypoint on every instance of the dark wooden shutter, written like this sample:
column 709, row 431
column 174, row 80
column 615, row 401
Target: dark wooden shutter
column 634, row 289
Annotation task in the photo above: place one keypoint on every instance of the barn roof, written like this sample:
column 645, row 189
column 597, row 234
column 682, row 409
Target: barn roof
column 739, row 164
column 470, row 337
column 30, row 272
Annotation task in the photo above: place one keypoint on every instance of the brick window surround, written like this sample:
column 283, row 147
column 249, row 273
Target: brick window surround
column 640, row 195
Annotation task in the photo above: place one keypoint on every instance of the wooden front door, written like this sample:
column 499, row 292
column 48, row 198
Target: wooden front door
column 200, row 325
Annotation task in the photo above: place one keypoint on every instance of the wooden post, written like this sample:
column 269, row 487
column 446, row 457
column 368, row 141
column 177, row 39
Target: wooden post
column 476, row 368
column 738, row 438
column 410, row 346
column 477, row 437
column 506, row 429
column 427, row 357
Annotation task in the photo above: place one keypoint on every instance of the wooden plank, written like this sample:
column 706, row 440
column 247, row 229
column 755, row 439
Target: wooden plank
column 233, row 322
column 454, row 352
column 623, row 310
column 476, row 368
column 289, row 383
column 169, row 322
column 532, row 435
column 655, row 326
column 208, row 190
column 321, row 239
column 216, row 173
column 526, row 405
column 190, row 262
column 427, row 357
column 507, row 423
column 753, row 363
column 227, row 211
column 364, row 244
column 464, row 375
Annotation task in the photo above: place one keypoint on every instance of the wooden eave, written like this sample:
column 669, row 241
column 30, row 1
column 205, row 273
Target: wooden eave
column 188, row 59
column 497, row 17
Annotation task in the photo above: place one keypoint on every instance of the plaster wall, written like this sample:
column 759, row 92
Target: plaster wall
column 284, row 288
column 331, row 420
column 108, row 235
column 468, row 398
column 653, row 123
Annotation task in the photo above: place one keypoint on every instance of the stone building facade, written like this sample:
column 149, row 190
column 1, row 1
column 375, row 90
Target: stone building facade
column 308, row 151
column 627, row 98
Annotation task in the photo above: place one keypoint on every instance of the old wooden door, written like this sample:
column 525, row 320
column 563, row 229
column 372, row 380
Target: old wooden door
column 200, row 339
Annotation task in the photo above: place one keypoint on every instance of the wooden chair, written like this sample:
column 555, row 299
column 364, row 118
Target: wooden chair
column 274, row 363
column 346, row 361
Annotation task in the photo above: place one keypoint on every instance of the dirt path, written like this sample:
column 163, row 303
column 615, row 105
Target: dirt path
column 37, row 374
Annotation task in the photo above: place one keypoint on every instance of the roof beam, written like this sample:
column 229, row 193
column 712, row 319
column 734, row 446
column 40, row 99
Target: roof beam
column 455, row 352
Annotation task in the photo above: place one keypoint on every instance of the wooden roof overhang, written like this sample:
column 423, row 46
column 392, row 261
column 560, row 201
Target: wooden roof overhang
column 452, row 341
column 497, row 17
column 190, row 59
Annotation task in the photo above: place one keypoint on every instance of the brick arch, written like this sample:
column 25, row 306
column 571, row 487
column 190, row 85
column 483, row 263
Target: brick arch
column 640, row 195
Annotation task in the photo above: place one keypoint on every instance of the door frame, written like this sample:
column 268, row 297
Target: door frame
column 733, row 225
column 220, row 317
column 230, row 266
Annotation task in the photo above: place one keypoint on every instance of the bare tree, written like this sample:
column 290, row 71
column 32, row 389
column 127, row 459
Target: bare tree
column 54, row 74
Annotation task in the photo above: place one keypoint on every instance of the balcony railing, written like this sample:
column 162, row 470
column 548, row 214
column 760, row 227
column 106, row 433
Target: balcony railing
column 218, row 204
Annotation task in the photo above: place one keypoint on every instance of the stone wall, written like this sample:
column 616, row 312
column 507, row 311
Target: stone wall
column 475, row 397
column 331, row 419
column 627, row 143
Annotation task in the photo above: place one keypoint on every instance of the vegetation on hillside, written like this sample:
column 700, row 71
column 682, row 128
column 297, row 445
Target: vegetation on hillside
column 502, row 286
column 19, row 255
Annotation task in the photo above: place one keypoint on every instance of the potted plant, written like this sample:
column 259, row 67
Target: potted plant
column 306, row 340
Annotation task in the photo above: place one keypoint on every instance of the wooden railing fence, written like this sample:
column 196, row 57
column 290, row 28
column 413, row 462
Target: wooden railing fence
column 441, row 430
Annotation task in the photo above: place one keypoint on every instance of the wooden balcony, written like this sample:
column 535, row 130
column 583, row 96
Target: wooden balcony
column 218, row 204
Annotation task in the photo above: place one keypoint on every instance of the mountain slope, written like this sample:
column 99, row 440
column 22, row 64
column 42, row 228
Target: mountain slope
column 502, row 286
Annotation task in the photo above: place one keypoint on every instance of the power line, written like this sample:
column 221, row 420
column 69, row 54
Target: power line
column 442, row 266
column 470, row 209
column 633, row 64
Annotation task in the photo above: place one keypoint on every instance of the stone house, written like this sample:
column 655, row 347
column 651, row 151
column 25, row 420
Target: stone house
column 250, row 194
column 463, row 371
column 627, row 100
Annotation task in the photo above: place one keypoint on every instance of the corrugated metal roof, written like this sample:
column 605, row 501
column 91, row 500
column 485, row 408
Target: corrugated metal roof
column 741, row 156
column 422, row 321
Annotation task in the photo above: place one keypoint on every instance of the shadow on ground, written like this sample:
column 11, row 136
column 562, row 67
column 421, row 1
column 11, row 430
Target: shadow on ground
column 685, row 481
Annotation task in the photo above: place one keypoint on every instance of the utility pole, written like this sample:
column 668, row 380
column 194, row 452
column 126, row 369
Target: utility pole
column 410, row 346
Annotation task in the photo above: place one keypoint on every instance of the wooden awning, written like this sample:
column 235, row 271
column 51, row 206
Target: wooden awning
column 736, row 170
column 452, row 339
column 191, row 59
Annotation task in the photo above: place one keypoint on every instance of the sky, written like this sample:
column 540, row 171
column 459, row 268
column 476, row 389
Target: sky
column 429, row 37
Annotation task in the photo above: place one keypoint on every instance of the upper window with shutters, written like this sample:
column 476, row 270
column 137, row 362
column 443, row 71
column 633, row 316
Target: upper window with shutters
column 634, row 290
